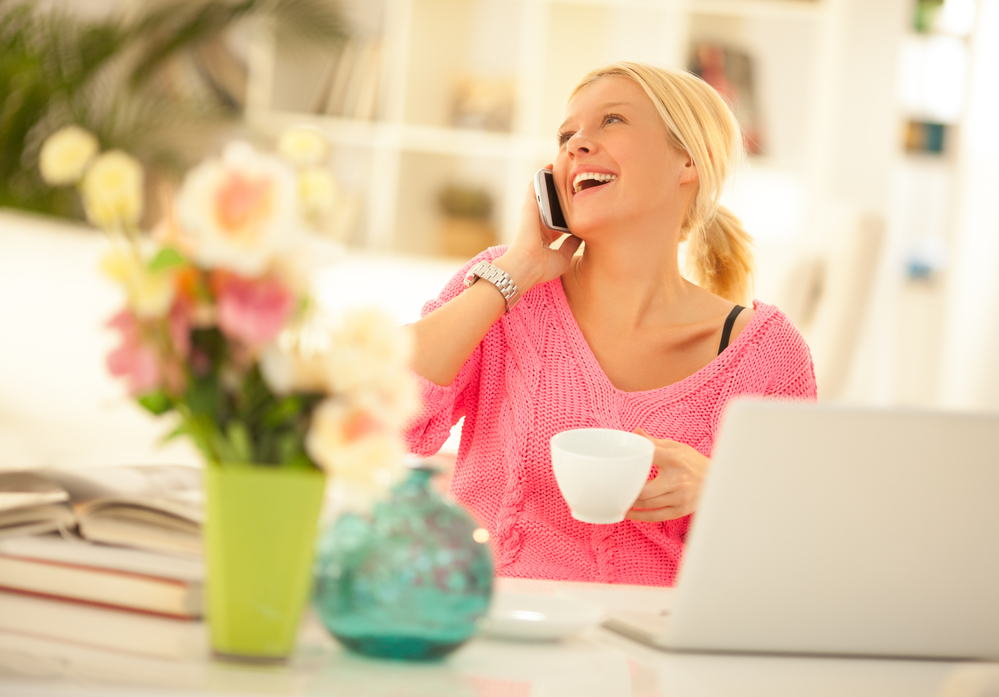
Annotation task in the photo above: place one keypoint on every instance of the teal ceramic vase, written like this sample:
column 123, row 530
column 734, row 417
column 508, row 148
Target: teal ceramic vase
column 408, row 581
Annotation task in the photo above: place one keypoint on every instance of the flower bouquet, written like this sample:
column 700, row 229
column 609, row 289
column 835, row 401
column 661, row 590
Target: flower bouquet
column 219, row 329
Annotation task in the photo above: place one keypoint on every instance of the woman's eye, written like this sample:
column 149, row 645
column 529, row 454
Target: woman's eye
column 611, row 118
column 563, row 138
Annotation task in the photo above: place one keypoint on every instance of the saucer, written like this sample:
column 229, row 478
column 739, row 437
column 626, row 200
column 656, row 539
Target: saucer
column 538, row 617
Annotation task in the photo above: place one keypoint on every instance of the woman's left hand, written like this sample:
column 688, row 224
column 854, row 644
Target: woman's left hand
column 675, row 490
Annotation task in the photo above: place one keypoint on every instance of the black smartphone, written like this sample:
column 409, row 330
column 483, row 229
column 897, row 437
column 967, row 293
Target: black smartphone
column 551, row 211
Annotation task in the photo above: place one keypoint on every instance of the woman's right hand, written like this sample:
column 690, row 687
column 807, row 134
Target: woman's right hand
column 444, row 339
column 530, row 260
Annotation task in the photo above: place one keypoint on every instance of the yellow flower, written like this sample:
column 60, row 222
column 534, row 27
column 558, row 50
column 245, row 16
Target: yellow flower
column 318, row 192
column 112, row 190
column 304, row 146
column 118, row 265
column 65, row 155
column 149, row 293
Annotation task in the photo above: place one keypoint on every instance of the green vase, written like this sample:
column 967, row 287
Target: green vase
column 260, row 532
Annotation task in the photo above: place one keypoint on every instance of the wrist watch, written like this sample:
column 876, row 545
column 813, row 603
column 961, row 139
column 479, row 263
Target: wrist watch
column 499, row 278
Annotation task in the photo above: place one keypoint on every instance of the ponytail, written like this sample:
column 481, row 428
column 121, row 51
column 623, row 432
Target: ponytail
column 720, row 259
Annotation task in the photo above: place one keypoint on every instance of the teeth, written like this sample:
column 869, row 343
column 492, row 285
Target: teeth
column 583, row 176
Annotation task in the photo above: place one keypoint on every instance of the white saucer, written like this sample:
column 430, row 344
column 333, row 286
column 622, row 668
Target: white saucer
column 538, row 617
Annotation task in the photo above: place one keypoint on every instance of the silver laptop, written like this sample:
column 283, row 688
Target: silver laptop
column 833, row 530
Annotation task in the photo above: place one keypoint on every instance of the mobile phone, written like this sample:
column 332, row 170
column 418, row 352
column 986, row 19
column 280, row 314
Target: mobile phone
column 551, row 211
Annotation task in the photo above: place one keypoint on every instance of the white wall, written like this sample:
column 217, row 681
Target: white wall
column 969, row 372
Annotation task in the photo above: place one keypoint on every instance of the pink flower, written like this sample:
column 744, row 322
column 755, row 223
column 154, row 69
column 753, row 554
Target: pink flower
column 252, row 310
column 179, row 326
column 133, row 360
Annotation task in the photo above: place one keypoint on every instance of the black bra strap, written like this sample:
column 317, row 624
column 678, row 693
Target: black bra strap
column 727, row 329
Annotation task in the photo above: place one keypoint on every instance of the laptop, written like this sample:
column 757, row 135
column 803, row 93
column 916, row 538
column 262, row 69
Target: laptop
column 840, row 531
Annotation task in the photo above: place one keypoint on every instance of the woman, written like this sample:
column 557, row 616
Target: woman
column 614, row 337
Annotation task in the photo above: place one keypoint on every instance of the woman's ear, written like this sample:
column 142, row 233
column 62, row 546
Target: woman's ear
column 688, row 173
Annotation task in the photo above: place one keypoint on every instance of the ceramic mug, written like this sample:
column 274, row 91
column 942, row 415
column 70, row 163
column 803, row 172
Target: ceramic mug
column 600, row 471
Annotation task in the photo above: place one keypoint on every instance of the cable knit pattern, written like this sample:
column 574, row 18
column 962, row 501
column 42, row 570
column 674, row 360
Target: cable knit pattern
column 532, row 376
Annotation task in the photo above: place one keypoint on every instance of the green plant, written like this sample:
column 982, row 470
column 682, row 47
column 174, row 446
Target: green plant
column 116, row 77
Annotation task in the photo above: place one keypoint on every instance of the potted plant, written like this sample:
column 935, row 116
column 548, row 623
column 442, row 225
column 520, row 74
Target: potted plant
column 219, row 330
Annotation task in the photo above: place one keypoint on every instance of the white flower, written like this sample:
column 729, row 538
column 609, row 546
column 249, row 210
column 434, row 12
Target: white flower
column 239, row 211
column 393, row 401
column 112, row 190
column 287, row 369
column 351, row 446
column 66, row 154
column 149, row 293
column 318, row 192
column 367, row 353
column 304, row 146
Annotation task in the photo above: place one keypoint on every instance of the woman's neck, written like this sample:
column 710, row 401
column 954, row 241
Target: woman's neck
column 634, row 282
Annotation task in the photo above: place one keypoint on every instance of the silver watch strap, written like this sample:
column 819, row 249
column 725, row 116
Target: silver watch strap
column 499, row 278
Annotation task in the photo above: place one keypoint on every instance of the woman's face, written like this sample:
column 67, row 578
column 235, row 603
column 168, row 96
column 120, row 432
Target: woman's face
column 615, row 166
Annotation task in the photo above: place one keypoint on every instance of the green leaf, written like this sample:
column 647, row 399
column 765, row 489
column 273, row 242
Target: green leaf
column 167, row 258
column 203, row 432
column 204, row 397
column 181, row 430
column 239, row 441
column 221, row 449
column 157, row 402
column 289, row 447
column 285, row 410
column 302, row 461
column 212, row 343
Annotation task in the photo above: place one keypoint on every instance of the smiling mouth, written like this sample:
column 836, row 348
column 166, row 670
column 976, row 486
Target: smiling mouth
column 588, row 180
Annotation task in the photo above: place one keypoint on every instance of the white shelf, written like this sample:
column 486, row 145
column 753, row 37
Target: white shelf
column 762, row 9
column 427, row 139
column 398, row 162
column 734, row 8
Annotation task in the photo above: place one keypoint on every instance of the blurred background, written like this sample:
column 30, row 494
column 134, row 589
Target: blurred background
column 870, row 187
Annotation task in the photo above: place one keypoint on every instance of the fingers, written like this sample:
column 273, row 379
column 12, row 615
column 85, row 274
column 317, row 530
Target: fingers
column 569, row 246
column 530, row 229
column 663, row 499
column 657, row 515
column 673, row 493
column 676, row 497
column 661, row 491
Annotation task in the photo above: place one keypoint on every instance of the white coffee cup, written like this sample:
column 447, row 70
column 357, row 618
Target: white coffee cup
column 600, row 471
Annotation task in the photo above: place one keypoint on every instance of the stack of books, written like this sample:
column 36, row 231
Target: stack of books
column 108, row 557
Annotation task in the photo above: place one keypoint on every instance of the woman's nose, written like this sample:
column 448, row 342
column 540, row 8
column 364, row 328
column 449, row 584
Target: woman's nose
column 579, row 143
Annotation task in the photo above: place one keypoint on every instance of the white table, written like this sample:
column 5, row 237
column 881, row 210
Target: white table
column 597, row 663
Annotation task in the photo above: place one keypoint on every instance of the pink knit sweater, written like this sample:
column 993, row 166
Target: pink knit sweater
column 532, row 376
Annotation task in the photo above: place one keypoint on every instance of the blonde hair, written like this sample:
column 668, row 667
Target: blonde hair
column 719, row 251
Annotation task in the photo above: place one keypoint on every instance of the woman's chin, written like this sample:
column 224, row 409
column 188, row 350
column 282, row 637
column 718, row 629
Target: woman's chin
column 591, row 227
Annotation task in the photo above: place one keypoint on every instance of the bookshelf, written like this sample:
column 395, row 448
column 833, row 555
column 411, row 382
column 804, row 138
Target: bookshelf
column 472, row 91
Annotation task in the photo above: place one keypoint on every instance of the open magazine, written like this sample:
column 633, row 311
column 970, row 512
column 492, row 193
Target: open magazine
column 155, row 507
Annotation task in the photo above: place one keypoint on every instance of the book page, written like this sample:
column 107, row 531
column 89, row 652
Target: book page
column 173, row 489
column 31, row 504
column 24, row 488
